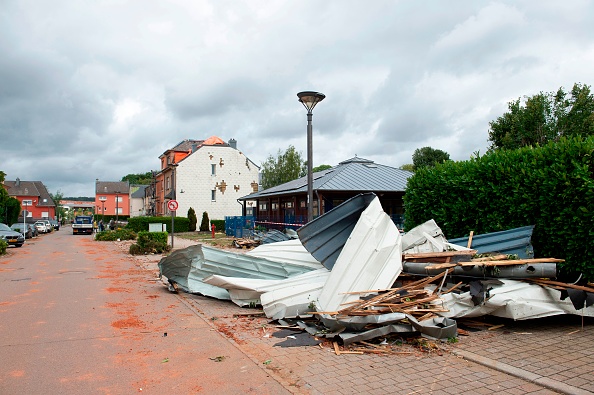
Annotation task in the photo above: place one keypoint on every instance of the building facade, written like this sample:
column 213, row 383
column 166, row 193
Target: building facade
column 112, row 198
column 207, row 175
column 35, row 199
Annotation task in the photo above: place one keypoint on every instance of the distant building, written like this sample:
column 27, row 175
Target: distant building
column 137, row 196
column 34, row 197
column 112, row 198
column 286, row 205
column 207, row 175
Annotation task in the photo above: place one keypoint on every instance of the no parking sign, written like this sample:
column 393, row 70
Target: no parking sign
column 172, row 205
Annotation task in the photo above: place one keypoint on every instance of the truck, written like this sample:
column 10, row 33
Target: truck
column 82, row 224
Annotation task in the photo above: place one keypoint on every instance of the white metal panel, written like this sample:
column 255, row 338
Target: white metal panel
column 371, row 259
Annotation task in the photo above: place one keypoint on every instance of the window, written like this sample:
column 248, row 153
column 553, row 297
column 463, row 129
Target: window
column 27, row 202
column 119, row 210
column 213, row 195
column 213, row 170
column 263, row 206
column 302, row 204
column 289, row 205
column 274, row 206
column 118, row 199
column 103, row 198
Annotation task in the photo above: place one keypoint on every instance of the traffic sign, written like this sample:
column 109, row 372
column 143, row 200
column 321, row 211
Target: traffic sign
column 172, row 205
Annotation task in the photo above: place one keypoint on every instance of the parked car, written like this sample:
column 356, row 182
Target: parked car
column 41, row 226
column 55, row 224
column 10, row 236
column 23, row 229
column 33, row 230
column 48, row 224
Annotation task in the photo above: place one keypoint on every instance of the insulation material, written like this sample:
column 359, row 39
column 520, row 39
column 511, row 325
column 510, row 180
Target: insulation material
column 513, row 299
column 371, row 259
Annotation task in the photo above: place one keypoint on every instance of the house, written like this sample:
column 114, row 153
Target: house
column 286, row 205
column 137, row 197
column 112, row 198
column 207, row 175
column 34, row 197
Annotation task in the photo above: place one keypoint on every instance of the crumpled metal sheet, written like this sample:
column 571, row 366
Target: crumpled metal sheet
column 371, row 259
column 189, row 266
column 325, row 236
column 512, row 241
column 358, row 323
column 427, row 237
column 513, row 299
column 291, row 251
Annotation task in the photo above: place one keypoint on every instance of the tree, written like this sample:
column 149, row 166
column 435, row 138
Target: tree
column 544, row 117
column 193, row 219
column 57, row 198
column 204, row 225
column 286, row 167
column 320, row 168
column 10, row 207
column 408, row 167
column 428, row 157
column 140, row 178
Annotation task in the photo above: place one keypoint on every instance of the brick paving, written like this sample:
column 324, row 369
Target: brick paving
column 543, row 356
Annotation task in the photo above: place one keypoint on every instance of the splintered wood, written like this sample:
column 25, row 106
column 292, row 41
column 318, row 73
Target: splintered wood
column 410, row 299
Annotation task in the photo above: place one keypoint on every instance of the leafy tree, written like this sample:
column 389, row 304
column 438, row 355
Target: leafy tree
column 408, row 167
column 544, row 117
column 287, row 166
column 428, row 157
column 204, row 224
column 193, row 219
column 320, row 168
column 10, row 207
column 140, row 178
column 57, row 197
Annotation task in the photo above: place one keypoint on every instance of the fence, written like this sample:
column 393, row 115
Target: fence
column 239, row 226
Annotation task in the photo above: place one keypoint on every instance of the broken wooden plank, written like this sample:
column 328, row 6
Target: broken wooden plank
column 470, row 239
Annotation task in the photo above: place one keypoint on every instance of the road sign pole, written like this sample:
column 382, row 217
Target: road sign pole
column 172, row 206
column 172, row 230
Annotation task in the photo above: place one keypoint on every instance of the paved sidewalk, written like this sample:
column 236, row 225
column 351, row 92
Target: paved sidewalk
column 544, row 356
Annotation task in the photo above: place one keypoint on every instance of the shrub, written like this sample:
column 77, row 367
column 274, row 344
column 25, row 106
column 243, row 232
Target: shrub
column 3, row 247
column 118, row 234
column 219, row 224
column 150, row 242
column 193, row 220
column 204, row 225
column 551, row 187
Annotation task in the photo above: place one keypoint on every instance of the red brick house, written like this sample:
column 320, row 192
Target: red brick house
column 112, row 197
column 34, row 197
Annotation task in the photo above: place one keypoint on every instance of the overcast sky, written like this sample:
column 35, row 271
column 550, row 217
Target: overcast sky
column 100, row 89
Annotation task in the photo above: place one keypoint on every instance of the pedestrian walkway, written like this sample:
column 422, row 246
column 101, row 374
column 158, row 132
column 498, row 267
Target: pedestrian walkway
column 544, row 356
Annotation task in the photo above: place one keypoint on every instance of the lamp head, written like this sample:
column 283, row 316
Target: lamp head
column 309, row 99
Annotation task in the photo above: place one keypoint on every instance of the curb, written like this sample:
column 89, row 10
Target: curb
column 522, row 374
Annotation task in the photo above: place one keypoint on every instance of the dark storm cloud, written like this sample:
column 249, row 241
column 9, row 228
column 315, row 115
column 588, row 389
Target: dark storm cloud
column 103, row 88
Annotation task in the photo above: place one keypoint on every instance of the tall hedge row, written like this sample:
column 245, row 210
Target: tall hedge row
column 551, row 187
column 138, row 224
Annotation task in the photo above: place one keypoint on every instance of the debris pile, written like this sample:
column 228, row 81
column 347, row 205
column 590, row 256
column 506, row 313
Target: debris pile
column 360, row 279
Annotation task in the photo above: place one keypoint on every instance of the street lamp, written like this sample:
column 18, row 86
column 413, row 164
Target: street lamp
column 309, row 101
column 102, row 210
column 117, row 207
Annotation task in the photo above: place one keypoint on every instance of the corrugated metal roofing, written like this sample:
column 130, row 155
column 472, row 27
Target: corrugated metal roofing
column 355, row 174
column 511, row 241
column 325, row 236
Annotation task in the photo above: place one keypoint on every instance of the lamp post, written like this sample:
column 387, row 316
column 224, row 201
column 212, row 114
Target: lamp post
column 103, row 210
column 24, row 219
column 117, row 205
column 309, row 100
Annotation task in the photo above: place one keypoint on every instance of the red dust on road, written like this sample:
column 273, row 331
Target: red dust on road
column 79, row 316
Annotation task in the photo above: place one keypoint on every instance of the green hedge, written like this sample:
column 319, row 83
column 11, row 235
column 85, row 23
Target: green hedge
column 150, row 242
column 551, row 187
column 219, row 224
column 118, row 234
column 138, row 224
column 3, row 247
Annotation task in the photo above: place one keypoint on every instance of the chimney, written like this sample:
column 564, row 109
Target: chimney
column 233, row 143
column 194, row 146
column 17, row 182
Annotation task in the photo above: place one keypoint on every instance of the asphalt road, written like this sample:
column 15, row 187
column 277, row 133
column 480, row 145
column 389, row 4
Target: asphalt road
column 80, row 317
